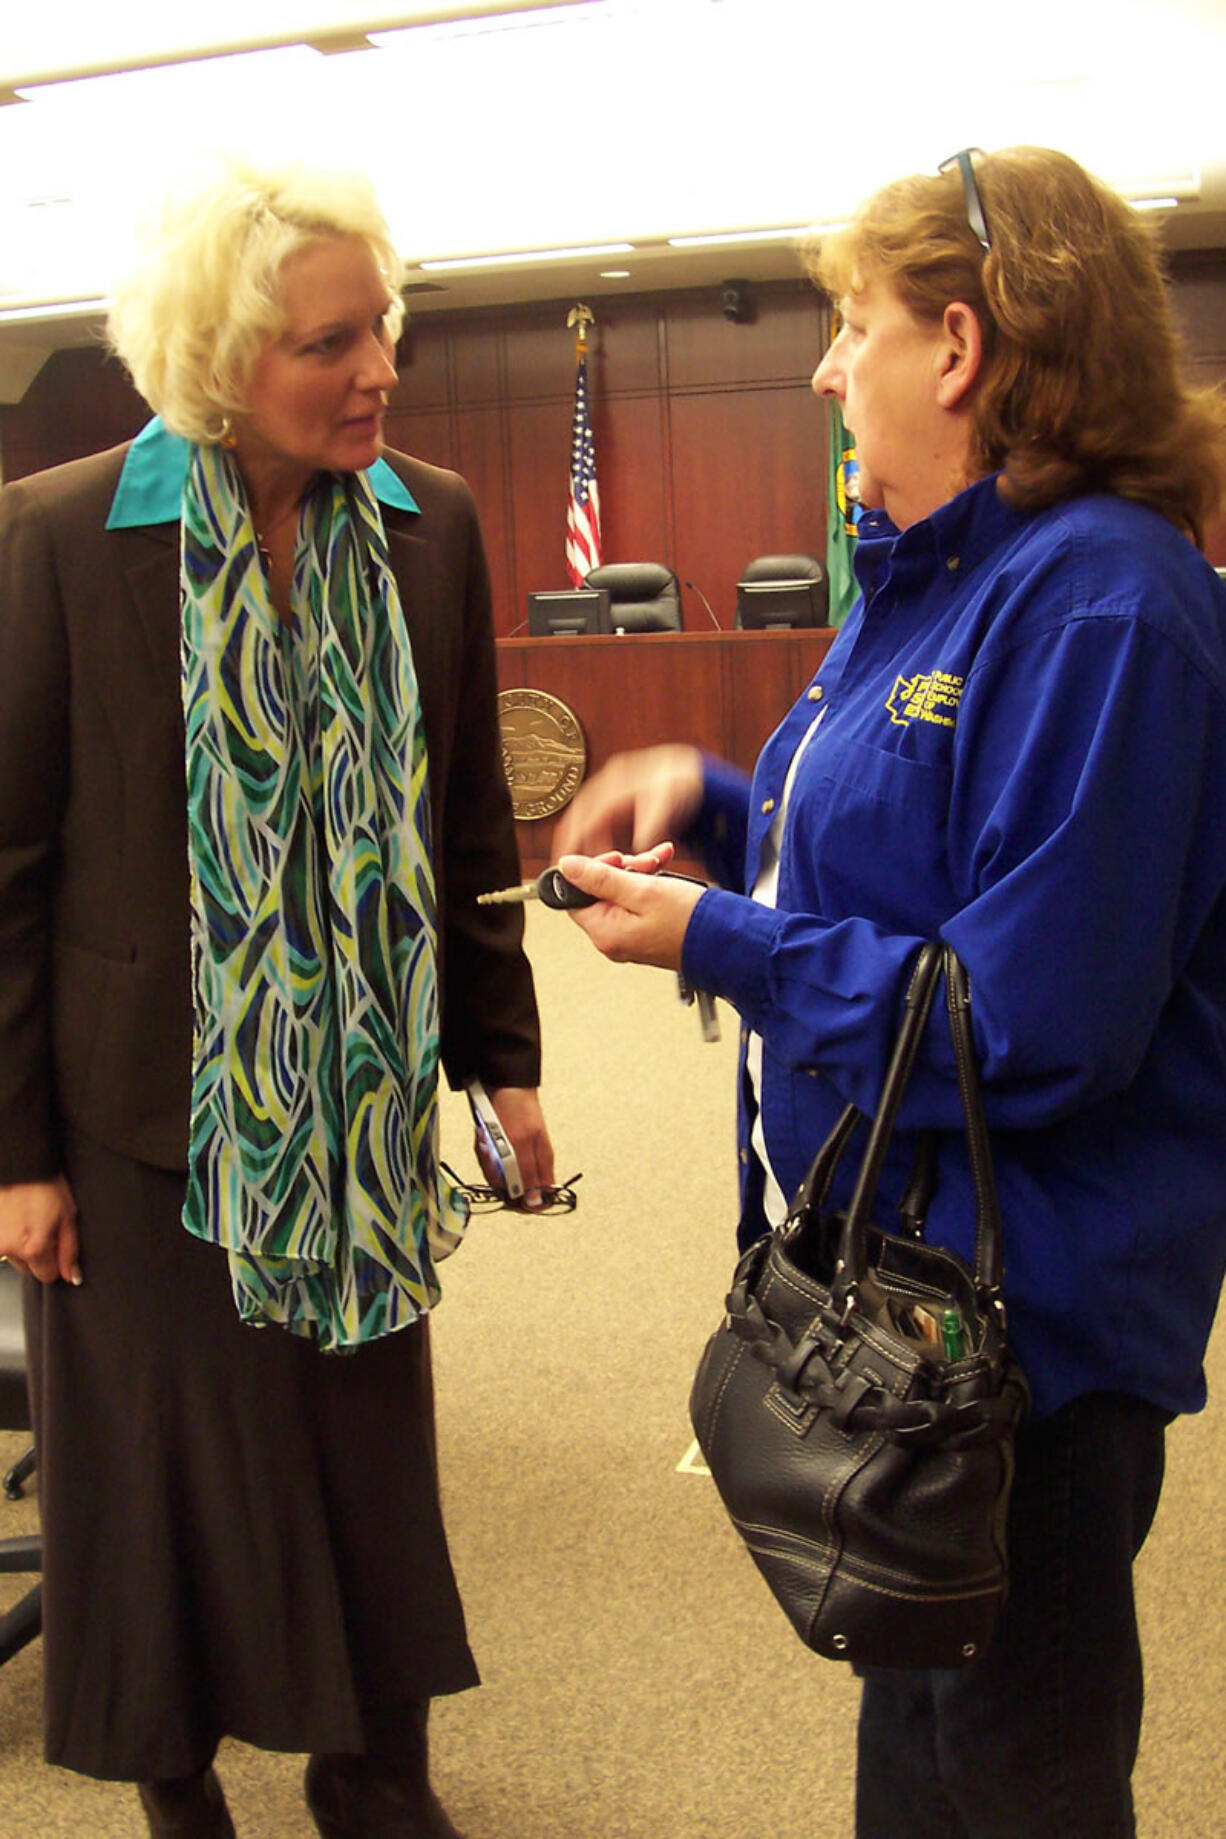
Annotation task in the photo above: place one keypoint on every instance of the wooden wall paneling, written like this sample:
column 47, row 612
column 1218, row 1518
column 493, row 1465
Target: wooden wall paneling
column 629, row 692
column 481, row 456
column 477, row 359
column 749, row 478
column 623, row 350
column 624, row 346
column 632, row 468
column 782, row 341
column 1198, row 289
column 423, row 363
column 81, row 402
column 425, row 433
column 540, row 355
column 539, row 446
column 655, row 689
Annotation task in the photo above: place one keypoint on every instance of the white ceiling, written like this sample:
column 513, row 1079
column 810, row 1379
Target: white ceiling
column 495, row 128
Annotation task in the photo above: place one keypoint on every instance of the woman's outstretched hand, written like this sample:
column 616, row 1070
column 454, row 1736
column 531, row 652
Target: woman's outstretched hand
column 632, row 803
column 641, row 916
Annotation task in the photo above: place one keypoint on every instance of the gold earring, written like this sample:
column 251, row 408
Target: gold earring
column 227, row 437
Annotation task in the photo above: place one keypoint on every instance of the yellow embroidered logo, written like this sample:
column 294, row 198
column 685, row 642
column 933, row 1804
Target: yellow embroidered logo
column 931, row 698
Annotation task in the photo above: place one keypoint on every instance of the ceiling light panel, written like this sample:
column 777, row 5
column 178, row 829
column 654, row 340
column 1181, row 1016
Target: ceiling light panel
column 493, row 136
column 80, row 37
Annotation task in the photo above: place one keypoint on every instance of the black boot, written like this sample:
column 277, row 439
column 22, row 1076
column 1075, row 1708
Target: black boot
column 367, row 1797
column 191, row 1808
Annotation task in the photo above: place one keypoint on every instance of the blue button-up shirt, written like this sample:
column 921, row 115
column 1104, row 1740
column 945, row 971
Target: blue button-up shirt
column 1023, row 752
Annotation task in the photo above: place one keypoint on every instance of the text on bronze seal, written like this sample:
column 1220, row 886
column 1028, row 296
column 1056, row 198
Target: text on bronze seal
column 544, row 753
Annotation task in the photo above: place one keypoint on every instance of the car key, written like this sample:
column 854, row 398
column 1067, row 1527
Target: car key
column 551, row 888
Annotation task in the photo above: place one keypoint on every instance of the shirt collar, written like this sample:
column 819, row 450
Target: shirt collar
column 957, row 535
column 150, row 489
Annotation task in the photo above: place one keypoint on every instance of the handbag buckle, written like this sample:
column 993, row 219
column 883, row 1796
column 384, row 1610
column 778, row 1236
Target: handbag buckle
column 851, row 1297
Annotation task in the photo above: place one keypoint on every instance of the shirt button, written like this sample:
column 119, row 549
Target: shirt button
column 952, row 562
column 744, row 1155
column 768, row 805
column 815, row 694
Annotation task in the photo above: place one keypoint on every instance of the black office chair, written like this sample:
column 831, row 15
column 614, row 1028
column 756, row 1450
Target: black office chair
column 798, row 592
column 25, row 1551
column 643, row 596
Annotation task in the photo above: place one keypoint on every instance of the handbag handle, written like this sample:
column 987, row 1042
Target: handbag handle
column 989, row 1253
column 853, row 1246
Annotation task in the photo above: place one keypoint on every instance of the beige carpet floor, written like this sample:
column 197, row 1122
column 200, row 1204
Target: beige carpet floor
column 639, row 1681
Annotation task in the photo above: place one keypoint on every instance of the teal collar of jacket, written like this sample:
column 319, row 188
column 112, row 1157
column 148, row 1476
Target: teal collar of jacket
column 150, row 489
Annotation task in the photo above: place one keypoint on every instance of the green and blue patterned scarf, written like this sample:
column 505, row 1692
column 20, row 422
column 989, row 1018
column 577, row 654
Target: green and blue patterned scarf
column 313, row 1153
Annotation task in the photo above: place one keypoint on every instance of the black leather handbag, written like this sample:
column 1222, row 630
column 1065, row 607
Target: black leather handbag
column 857, row 1405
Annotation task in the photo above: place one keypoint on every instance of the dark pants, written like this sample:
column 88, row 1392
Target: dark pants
column 1036, row 1740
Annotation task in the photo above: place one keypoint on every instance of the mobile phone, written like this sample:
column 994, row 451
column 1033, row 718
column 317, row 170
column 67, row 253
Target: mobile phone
column 494, row 1142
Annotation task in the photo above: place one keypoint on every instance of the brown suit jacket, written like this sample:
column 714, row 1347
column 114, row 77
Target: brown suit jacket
column 95, row 1006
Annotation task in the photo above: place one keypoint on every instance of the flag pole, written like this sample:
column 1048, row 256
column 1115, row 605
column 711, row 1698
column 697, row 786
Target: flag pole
column 583, row 539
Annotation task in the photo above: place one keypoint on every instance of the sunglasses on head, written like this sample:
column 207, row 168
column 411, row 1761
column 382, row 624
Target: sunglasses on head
column 970, row 191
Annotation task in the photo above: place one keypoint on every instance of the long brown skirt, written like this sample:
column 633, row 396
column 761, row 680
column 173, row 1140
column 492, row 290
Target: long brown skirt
column 242, row 1536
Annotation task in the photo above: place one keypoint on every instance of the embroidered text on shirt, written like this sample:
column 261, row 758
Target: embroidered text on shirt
column 931, row 698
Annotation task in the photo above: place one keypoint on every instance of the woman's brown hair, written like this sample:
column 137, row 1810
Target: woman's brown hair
column 1080, row 389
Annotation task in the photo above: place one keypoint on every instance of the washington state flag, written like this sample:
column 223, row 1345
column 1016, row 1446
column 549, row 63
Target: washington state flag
column 842, row 515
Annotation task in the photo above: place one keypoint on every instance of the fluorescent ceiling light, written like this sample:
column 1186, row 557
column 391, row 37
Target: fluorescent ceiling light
column 526, row 255
column 474, row 24
column 264, row 25
column 737, row 236
column 54, row 309
column 1154, row 204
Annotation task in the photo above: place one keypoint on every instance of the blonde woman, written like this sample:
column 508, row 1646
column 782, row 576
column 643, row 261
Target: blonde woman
column 250, row 786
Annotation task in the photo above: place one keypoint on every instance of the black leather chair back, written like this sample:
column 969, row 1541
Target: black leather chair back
column 804, row 573
column 643, row 596
column 783, row 568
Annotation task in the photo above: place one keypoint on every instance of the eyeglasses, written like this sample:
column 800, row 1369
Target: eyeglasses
column 559, row 1199
column 970, row 191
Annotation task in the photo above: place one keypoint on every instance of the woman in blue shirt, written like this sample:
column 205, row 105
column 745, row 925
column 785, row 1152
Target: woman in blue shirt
column 1017, row 744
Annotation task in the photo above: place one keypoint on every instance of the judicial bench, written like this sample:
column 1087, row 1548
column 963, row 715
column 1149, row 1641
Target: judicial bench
column 722, row 691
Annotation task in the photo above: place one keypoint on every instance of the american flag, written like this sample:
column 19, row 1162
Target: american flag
column 583, row 507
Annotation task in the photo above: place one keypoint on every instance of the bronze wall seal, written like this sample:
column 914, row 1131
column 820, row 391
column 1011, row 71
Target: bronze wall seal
column 544, row 753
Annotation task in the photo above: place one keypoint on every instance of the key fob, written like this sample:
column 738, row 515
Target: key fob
column 557, row 892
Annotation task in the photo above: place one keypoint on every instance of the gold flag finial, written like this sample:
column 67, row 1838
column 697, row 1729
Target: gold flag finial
column 582, row 317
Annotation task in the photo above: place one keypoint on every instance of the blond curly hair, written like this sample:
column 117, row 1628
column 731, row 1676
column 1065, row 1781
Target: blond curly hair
column 190, row 319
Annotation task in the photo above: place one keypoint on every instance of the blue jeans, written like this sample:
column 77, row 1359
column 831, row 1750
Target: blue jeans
column 1036, row 1740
